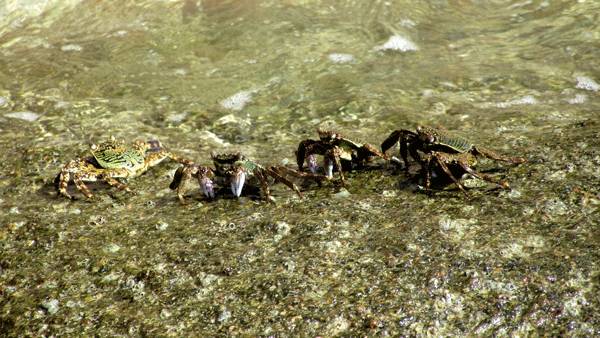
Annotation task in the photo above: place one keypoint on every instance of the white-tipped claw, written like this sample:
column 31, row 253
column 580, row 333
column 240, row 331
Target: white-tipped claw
column 312, row 163
column 237, row 183
column 207, row 187
column 328, row 167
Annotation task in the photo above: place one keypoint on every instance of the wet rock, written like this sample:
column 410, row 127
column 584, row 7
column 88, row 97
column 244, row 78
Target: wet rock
column 343, row 193
column 337, row 326
column 389, row 193
column 224, row 315
column 162, row 226
column 112, row 248
column 555, row 207
column 51, row 306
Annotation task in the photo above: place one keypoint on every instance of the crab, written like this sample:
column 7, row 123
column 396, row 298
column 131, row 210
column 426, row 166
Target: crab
column 428, row 140
column 444, row 153
column 338, row 151
column 233, row 169
column 110, row 161
column 454, row 167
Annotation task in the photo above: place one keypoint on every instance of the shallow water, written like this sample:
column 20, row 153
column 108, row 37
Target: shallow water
column 380, row 258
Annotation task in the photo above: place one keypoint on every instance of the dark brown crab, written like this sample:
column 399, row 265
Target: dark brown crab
column 443, row 153
column 337, row 151
column 454, row 167
column 233, row 169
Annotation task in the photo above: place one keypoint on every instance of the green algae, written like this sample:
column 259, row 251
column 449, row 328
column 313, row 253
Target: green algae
column 378, row 258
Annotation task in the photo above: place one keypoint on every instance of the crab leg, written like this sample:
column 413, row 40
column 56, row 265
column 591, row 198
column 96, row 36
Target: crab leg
column 62, row 182
column 264, row 184
column 287, row 171
column 179, row 159
column 391, row 140
column 77, row 179
column 481, row 176
column 180, row 177
column 274, row 172
column 403, row 137
column 492, row 155
column 334, row 154
column 368, row 150
column 438, row 158
column 115, row 183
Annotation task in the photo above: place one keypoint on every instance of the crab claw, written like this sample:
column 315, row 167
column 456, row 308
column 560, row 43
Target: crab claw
column 206, row 184
column 312, row 163
column 328, row 165
column 237, row 182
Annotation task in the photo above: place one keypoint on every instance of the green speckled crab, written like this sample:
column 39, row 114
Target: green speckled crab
column 427, row 139
column 110, row 161
column 443, row 154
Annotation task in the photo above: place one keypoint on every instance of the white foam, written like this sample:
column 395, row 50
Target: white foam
column 584, row 82
column 341, row 58
column 528, row 99
column 398, row 43
column 237, row 101
column 23, row 115
column 578, row 99
column 71, row 48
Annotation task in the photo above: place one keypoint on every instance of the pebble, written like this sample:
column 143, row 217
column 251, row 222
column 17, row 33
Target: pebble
column 556, row 207
column 51, row 306
column 112, row 248
column 342, row 194
column 389, row 193
column 161, row 226
column 224, row 315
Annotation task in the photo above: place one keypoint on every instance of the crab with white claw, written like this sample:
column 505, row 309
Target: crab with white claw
column 451, row 154
column 337, row 151
column 184, row 173
column 110, row 161
column 233, row 169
